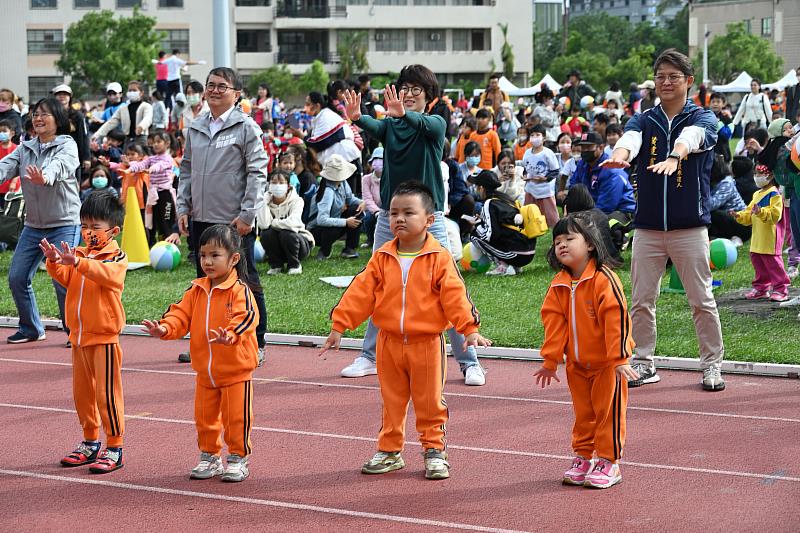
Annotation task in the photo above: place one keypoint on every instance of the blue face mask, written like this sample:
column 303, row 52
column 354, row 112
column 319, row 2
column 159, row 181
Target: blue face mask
column 100, row 182
column 473, row 160
column 4, row 136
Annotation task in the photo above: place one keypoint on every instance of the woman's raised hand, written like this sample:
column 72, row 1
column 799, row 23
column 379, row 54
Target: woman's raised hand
column 352, row 104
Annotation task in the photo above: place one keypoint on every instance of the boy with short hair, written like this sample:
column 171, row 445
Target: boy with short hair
column 613, row 134
column 413, row 290
column 94, row 276
column 724, row 130
column 487, row 138
column 468, row 126
column 541, row 170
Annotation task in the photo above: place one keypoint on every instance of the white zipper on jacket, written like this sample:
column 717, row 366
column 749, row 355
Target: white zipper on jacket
column 572, row 323
column 210, row 353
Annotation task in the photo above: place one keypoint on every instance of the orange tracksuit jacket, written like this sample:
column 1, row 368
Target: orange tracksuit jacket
column 411, row 315
column 140, row 181
column 93, row 312
column 589, row 322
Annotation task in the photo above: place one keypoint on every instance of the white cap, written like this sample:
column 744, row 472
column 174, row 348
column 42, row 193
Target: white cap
column 114, row 86
column 63, row 88
column 648, row 84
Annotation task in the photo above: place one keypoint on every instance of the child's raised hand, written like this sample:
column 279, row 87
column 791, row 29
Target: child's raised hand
column 352, row 104
column 627, row 371
column 475, row 340
column 68, row 256
column 221, row 336
column 333, row 341
column 153, row 328
column 756, row 209
column 49, row 250
column 544, row 376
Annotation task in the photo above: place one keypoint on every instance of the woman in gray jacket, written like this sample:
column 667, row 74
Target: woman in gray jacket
column 47, row 163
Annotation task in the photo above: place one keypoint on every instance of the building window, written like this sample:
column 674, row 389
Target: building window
column 79, row 4
column 430, row 40
column 44, row 4
column 40, row 86
column 253, row 3
column 128, row 4
column 391, row 40
column 45, row 41
column 429, row 2
column 748, row 26
column 391, row 3
column 253, row 41
column 354, row 2
column 766, row 27
column 176, row 39
column 471, row 40
column 170, row 3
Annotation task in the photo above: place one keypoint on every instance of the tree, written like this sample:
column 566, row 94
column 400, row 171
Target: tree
column 594, row 67
column 506, row 53
column 352, row 49
column 546, row 47
column 281, row 82
column 636, row 67
column 313, row 79
column 100, row 48
column 739, row 50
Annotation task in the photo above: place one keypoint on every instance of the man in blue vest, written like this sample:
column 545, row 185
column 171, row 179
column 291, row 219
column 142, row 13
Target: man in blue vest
column 674, row 142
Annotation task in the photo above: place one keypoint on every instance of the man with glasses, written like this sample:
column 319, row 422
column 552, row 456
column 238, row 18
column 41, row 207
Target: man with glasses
column 223, row 177
column 675, row 144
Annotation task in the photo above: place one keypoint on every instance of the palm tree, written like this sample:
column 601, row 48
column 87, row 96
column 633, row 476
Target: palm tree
column 352, row 49
column 506, row 53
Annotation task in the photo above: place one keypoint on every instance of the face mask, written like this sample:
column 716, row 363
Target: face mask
column 99, row 182
column 4, row 137
column 377, row 165
column 95, row 239
column 193, row 99
column 588, row 156
column 761, row 180
column 523, row 139
column 278, row 190
column 565, row 148
column 288, row 135
column 134, row 96
column 537, row 141
column 4, row 106
column 473, row 160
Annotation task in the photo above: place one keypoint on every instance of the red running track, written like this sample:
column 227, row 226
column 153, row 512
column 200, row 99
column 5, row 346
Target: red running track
column 694, row 461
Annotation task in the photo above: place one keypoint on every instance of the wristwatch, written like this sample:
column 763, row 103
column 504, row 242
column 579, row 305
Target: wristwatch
column 674, row 155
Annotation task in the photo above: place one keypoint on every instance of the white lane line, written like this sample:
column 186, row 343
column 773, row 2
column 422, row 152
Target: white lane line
column 452, row 446
column 452, row 394
column 257, row 501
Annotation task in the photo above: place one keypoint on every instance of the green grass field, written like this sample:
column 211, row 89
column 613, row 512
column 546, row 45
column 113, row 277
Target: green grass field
column 509, row 305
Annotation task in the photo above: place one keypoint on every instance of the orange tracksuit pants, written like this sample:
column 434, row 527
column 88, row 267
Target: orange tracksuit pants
column 97, row 391
column 224, row 410
column 599, row 399
column 412, row 370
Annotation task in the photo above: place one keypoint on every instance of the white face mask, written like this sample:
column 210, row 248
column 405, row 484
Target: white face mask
column 134, row 96
column 278, row 190
column 192, row 99
column 761, row 180
column 537, row 140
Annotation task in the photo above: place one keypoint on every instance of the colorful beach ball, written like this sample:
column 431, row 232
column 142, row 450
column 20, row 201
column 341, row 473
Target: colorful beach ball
column 473, row 260
column 164, row 256
column 795, row 154
column 565, row 101
column 586, row 100
column 258, row 251
column 723, row 254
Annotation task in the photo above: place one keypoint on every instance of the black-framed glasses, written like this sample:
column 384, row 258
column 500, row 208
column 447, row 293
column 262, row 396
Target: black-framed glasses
column 413, row 90
column 41, row 115
column 218, row 88
column 672, row 78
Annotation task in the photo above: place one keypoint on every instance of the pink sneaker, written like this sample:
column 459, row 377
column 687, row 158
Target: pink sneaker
column 755, row 294
column 778, row 297
column 577, row 474
column 604, row 475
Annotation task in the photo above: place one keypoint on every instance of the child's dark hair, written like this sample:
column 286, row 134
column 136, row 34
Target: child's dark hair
column 614, row 128
column 7, row 124
column 422, row 76
column 581, row 223
column 505, row 154
column 227, row 237
column 601, row 118
column 470, row 122
column 537, row 129
column 136, row 148
column 102, row 168
column 103, row 206
column 279, row 172
column 267, row 125
column 116, row 135
column 483, row 113
column 578, row 199
column 719, row 169
column 472, row 147
column 416, row 188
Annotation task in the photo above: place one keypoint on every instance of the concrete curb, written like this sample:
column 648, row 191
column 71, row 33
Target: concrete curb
column 492, row 352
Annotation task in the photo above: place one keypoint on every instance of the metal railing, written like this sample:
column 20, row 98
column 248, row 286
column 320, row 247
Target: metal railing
column 293, row 57
column 291, row 10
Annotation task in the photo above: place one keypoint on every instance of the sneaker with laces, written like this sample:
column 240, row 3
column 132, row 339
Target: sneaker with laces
column 647, row 375
column 236, row 470
column 605, row 474
column 84, row 454
column 349, row 253
column 359, row 368
column 778, row 297
column 19, row 338
column 475, row 376
column 576, row 475
column 295, row 271
column 712, row 379
column 436, row 465
column 755, row 294
column 273, row 271
column 792, row 302
column 262, row 354
column 184, row 357
column 499, row 270
column 109, row 460
column 210, row 465
column 383, row 462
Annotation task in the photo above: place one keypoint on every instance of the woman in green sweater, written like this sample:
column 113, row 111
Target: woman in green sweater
column 413, row 144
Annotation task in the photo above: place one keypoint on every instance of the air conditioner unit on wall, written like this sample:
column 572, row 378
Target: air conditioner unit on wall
column 379, row 36
column 435, row 36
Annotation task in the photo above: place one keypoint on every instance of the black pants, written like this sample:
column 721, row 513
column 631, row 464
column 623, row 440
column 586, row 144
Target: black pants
column 355, row 179
column 162, row 86
column 164, row 217
column 327, row 235
column 248, row 241
column 284, row 247
column 724, row 226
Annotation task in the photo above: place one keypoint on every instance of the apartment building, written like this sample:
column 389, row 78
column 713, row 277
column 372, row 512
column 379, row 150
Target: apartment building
column 457, row 39
column 632, row 10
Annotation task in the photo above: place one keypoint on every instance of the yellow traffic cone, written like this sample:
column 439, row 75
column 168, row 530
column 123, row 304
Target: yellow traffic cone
column 134, row 238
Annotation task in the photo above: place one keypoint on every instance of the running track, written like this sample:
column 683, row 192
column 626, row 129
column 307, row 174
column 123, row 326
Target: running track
column 694, row 461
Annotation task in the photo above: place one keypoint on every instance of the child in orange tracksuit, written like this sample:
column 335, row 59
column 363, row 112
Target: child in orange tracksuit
column 220, row 312
column 94, row 276
column 585, row 316
column 412, row 289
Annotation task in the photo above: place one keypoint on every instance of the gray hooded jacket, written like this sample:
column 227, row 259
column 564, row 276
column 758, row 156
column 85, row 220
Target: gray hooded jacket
column 224, row 176
column 56, row 203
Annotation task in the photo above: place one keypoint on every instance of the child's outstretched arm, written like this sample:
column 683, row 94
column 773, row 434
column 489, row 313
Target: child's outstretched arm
column 358, row 301
column 544, row 376
column 475, row 340
column 59, row 272
column 153, row 328
column 177, row 318
column 333, row 341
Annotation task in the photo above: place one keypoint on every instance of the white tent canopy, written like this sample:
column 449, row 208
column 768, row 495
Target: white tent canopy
column 512, row 90
column 788, row 80
column 550, row 82
column 740, row 85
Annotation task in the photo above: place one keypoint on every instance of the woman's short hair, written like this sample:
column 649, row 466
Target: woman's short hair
column 196, row 87
column 422, row 76
column 59, row 112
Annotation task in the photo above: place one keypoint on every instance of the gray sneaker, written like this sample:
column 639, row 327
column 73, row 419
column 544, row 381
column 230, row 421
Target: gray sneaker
column 261, row 355
column 383, row 462
column 647, row 374
column 236, row 470
column 436, row 465
column 208, row 467
column 712, row 379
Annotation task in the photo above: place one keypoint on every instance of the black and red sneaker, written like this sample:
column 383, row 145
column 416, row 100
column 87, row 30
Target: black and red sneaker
column 109, row 460
column 85, row 454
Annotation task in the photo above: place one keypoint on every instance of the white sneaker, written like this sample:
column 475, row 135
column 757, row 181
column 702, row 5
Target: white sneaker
column 208, row 467
column 792, row 272
column 359, row 368
column 500, row 270
column 236, row 470
column 511, row 271
column 793, row 302
column 262, row 353
column 737, row 241
column 295, row 271
column 475, row 376
column 273, row 271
